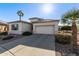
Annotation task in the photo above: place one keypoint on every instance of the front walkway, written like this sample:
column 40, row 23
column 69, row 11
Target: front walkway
column 34, row 45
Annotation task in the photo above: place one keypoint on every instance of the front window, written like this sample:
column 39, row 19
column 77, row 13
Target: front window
column 14, row 26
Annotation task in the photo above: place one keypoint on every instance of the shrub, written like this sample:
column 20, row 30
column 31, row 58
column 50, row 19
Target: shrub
column 65, row 28
column 4, row 33
column 63, row 38
column 26, row 33
column 7, row 37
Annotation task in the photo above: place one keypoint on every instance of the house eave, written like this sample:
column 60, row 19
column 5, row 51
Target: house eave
column 19, row 22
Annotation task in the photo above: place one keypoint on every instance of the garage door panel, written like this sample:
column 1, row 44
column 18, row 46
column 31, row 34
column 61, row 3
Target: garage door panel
column 44, row 29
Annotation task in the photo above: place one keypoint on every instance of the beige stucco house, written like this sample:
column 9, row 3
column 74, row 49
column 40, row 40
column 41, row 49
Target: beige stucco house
column 44, row 26
column 18, row 27
column 36, row 25
column 3, row 27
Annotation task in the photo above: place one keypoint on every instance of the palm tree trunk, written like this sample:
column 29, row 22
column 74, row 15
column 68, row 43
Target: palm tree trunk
column 74, row 37
column 20, row 18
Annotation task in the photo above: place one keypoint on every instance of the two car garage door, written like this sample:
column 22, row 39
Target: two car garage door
column 44, row 29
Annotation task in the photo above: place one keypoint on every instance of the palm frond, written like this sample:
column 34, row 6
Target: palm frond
column 72, row 15
column 20, row 13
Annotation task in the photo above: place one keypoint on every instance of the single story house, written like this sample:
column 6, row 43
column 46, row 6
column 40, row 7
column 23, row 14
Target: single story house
column 44, row 26
column 36, row 25
column 18, row 27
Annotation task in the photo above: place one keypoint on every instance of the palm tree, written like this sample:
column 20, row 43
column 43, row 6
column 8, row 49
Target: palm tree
column 20, row 14
column 72, row 15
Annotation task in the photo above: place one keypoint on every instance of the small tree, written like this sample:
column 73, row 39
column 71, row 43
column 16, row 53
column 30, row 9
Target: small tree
column 20, row 14
column 72, row 15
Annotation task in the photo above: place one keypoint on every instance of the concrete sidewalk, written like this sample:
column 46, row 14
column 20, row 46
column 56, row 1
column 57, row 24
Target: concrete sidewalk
column 27, row 51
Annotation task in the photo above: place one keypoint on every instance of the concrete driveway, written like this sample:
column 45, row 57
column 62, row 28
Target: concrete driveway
column 34, row 45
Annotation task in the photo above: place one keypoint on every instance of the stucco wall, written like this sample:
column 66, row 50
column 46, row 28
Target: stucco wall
column 26, row 27
column 21, row 28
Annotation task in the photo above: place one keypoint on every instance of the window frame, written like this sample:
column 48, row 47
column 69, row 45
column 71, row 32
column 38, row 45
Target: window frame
column 14, row 27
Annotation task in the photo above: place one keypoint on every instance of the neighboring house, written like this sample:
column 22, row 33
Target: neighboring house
column 44, row 26
column 3, row 27
column 18, row 27
column 64, row 24
column 68, row 23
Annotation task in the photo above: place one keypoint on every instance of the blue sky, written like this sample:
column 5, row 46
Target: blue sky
column 8, row 11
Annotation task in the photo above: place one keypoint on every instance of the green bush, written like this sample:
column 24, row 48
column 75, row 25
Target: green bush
column 63, row 38
column 65, row 28
column 26, row 33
